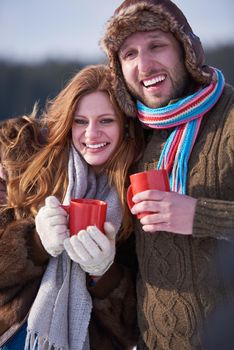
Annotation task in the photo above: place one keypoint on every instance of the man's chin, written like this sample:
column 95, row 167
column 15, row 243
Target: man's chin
column 150, row 101
column 155, row 103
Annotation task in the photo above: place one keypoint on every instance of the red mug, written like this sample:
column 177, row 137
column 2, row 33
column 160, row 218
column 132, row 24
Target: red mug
column 85, row 212
column 147, row 180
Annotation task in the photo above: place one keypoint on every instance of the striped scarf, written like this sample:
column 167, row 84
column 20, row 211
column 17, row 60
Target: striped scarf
column 185, row 116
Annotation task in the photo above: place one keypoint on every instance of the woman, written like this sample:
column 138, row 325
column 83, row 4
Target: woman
column 88, row 152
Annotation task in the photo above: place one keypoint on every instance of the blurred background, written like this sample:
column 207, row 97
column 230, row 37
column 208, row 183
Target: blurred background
column 44, row 43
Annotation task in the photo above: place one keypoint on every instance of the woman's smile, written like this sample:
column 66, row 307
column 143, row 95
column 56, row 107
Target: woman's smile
column 96, row 129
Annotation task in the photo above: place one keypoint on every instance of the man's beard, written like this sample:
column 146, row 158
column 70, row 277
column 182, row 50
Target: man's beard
column 180, row 87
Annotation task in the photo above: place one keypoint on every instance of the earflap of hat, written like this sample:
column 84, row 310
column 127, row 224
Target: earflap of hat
column 194, row 57
column 122, row 95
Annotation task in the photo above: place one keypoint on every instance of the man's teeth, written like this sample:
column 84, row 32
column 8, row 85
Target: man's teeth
column 153, row 81
column 98, row 145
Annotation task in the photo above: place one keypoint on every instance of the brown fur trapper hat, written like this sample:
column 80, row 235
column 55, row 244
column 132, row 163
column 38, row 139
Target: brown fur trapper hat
column 147, row 15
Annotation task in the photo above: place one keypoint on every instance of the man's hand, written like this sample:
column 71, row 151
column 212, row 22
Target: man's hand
column 93, row 250
column 51, row 226
column 171, row 211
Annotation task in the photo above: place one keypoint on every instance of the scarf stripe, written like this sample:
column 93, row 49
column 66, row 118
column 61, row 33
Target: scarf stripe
column 185, row 116
column 188, row 108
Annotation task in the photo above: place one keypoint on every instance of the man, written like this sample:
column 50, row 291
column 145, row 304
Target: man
column 159, row 76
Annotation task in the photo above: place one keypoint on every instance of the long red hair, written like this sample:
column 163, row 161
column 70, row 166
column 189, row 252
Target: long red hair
column 46, row 172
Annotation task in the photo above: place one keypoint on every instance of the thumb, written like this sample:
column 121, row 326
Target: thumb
column 52, row 202
column 109, row 230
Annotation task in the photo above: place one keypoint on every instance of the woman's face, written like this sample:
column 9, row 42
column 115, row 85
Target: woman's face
column 96, row 129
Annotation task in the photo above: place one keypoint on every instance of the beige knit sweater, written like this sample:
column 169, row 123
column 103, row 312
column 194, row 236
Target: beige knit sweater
column 182, row 279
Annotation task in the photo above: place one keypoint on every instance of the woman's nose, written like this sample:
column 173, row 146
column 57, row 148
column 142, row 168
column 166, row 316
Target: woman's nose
column 92, row 130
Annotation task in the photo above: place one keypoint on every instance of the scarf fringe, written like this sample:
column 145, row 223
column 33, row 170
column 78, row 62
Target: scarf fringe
column 34, row 342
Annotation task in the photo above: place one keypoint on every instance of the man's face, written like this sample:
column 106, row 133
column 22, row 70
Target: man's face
column 153, row 67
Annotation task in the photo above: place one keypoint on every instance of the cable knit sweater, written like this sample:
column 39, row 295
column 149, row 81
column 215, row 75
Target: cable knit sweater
column 182, row 279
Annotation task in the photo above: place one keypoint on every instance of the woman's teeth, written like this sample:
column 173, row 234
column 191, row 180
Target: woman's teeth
column 98, row 145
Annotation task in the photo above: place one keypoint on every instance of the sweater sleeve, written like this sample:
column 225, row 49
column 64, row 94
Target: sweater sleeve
column 114, row 317
column 22, row 258
column 214, row 218
column 214, row 214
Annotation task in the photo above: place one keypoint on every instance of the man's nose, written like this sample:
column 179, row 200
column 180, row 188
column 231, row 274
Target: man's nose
column 145, row 63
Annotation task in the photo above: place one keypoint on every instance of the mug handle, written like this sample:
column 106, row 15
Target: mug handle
column 131, row 203
column 129, row 197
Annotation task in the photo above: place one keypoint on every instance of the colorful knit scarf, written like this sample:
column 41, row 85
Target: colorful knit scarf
column 185, row 116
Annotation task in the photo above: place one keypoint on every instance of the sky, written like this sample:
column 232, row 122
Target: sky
column 36, row 30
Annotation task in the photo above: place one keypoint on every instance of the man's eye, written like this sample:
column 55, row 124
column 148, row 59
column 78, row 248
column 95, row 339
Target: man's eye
column 128, row 55
column 157, row 46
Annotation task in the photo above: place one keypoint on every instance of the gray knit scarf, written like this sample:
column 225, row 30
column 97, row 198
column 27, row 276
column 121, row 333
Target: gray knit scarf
column 60, row 314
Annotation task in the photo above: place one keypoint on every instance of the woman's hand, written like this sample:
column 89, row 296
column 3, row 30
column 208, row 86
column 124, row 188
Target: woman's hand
column 92, row 249
column 51, row 226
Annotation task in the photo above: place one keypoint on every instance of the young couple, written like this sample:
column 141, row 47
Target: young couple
column 158, row 77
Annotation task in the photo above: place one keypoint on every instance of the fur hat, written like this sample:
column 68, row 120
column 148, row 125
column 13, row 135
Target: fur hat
column 148, row 15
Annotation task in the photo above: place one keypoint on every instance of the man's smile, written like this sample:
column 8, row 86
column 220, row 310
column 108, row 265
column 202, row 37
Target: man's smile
column 153, row 81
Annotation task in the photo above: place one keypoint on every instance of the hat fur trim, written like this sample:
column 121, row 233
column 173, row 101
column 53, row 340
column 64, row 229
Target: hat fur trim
column 145, row 16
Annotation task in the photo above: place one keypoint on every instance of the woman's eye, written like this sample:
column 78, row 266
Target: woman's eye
column 106, row 121
column 80, row 121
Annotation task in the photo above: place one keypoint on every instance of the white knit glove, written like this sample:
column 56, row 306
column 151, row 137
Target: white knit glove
column 93, row 250
column 51, row 225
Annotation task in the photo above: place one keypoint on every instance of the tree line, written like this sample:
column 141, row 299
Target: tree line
column 24, row 84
